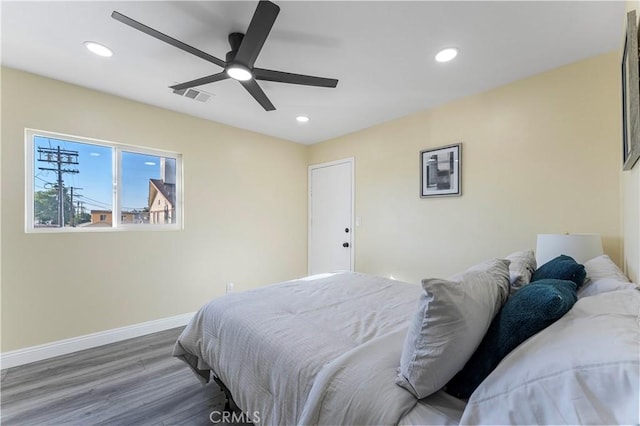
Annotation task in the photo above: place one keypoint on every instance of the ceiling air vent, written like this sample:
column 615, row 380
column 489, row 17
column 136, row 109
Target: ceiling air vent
column 198, row 95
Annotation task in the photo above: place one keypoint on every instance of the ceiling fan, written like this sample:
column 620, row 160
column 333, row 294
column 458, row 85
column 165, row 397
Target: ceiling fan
column 239, row 61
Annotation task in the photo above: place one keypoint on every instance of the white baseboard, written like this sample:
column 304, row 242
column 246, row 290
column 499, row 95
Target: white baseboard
column 66, row 346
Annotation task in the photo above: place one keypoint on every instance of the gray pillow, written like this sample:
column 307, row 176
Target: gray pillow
column 523, row 264
column 451, row 319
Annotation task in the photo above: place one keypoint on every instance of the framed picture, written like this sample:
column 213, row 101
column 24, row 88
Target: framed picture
column 440, row 171
column 630, row 96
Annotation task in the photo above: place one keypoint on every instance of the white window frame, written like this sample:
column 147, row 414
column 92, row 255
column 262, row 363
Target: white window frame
column 116, row 173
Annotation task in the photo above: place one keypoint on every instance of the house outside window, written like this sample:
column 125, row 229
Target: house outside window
column 81, row 184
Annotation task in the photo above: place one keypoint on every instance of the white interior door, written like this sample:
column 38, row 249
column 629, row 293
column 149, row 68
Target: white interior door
column 331, row 217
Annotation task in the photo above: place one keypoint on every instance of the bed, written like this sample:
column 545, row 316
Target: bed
column 350, row 348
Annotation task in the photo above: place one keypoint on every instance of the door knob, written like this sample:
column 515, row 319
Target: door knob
column 346, row 230
column 345, row 244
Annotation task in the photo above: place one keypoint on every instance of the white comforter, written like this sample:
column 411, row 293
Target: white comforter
column 322, row 350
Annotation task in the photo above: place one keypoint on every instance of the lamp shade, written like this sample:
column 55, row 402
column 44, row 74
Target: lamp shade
column 580, row 247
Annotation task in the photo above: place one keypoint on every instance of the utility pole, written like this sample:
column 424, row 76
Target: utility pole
column 79, row 210
column 72, row 215
column 59, row 157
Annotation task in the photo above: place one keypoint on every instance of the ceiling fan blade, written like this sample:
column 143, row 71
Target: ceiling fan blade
column 286, row 77
column 170, row 40
column 255, row 91
column 259, row 28
column 200, row 81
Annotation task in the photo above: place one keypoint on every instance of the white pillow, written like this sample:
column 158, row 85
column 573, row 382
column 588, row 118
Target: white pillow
column 603, row 285
column 450, row 321
column 603, row 267
column 523, row 265
column 583, row 369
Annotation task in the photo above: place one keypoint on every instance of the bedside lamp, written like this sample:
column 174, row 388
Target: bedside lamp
column 581, row 247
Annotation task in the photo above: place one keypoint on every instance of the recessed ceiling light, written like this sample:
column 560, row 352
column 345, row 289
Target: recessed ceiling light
column 302, row 118
column 445, row 55
column 98, row 48
column 239, row 73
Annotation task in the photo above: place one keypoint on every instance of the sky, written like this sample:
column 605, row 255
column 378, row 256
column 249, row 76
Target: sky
column 95, row 174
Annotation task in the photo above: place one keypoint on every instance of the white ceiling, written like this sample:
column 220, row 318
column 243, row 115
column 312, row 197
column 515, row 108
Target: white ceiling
column 382, row 53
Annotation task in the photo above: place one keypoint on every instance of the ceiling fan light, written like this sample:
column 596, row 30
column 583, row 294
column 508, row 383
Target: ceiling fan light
column 98, row 49
column 445, row 55
column 239, row 73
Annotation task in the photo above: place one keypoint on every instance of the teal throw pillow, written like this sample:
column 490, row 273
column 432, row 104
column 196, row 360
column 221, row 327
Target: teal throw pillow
column 562, row 267
column 533, row 308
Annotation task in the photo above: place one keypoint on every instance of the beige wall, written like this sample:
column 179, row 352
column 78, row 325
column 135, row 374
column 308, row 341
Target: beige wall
column 630, row 200
column 541, row 155
column 245, row 218
column 630, row 223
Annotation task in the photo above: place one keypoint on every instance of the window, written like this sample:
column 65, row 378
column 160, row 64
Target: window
column 76, row 184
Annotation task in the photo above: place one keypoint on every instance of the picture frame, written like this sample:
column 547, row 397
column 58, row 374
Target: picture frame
column 630, row 95
column 440, row 171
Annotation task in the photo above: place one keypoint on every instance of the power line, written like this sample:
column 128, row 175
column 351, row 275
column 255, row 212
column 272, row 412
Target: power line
column 91, row 201
column 45, row 181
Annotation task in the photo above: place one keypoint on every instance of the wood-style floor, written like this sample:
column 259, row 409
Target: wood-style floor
column 133, row 382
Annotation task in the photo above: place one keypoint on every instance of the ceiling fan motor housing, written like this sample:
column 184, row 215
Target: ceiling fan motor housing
column 235, row 40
